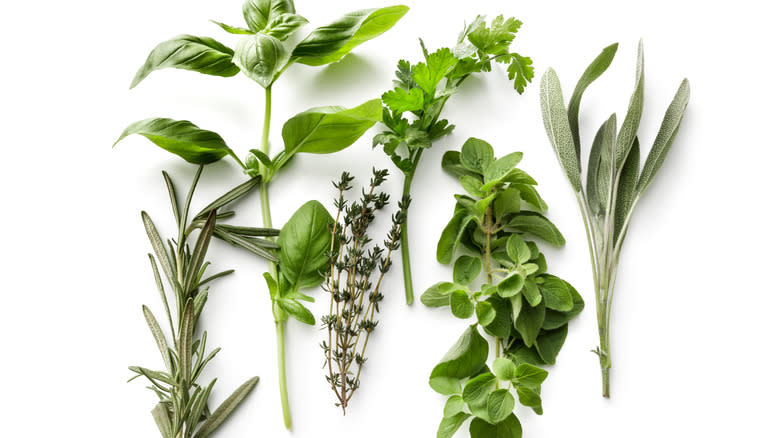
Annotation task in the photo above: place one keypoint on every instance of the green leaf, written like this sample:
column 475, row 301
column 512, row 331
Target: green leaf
column 517, row 249
column 450, row 425
column 504, row 368
column 626, row 191
column 438, row 295
column 232, row 194
column 296, row 310
column 201, row 54
column 665, row 138
column 283, row 25
column 528, row 397
column 159, row 338
column 554, row 319
column 594, row 70
column 485, row 313
column 400, row 100
column 528, row 376
column 630, row 126
column 261, row 57
column 329, row 129
column 501, row 326
column 531, row 292
column 472, row 185
column 556, row 294
column 235, row 30
column 184, row 347
column 451, row 235
column 549, row 344
column 464, row 359
column 163, row 420
column 476, row 393
column 601, row 167
column 461, row 304
column 259, row 13
column 226, row 408
column 330, row 43
column 529, row 322
column 500, row 404
column 500, row 168
column 180, row 137
column 304, row 239
column 520, row 70
column 453, row 406
column 495, row 39
column 436, row 67
column 477, row 155
column 451, row 164
column 159, row 251
column 466, row 269
column 511, row 285
column 537, row 225
column 559, row 132
column 509, row 428
column 199, row 253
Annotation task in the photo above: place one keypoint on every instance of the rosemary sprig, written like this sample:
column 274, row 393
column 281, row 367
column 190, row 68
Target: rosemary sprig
column 182, row 410
column 353, row 264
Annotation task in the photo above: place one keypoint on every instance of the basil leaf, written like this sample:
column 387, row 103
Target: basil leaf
column 304, row 239
column 261, row 57
column 283, row 25
column 465, row 358
column 235, row 30
column 181, row 137
column 201, row 54
column 296, row 310
column 330, row 43
column 556, row 123
column 259, row 13
column 329, row 129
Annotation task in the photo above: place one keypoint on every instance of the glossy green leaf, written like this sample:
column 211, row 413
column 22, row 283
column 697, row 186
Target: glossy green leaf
column 485, row 313
column 665, row 138
column 296, row 310
column 227, row 407
column 283, row 25
column 499, row 405
column 594, row 70
column 630, row 126
column 549, row 344
column 528, row 376
column 436, row 67
column 461, row 304
column 529, row 322
column 509, row 428
column 556, row 294
column 259, row 13
column 180, row 137
column 465, row 358
column 330, row 43
column 201, row 54
column 450, row 425
column 235, row 30
column 329, row 129
column 261, row 57
column 556, row 122
column 466, row 269
column 503, row 368
column 537, row 225
column 453, row 406
column 304, row 239
column 477, row 155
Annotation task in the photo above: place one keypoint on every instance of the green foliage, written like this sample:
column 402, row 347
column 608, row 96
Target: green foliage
column 412, row 109
column 182, row 408
column 527, row 311
column 613, row 187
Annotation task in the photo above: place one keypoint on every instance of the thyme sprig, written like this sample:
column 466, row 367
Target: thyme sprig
column 353, row 264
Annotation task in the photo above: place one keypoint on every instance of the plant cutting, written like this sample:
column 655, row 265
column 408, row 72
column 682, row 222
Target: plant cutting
column 182, row 410
column 614, row 183
column 263, row 53
column 352, row 283
column 522, row 307
column 412, row 110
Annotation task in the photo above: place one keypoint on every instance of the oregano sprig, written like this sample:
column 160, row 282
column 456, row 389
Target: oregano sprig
column 614, row 183
column 352, row 283
column 412, row 110
column 182, row 410
column 523, row 308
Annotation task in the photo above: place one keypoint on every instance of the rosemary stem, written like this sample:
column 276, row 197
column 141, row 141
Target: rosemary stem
column 405, row 256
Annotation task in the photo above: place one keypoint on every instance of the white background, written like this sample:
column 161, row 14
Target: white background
column 695, row 350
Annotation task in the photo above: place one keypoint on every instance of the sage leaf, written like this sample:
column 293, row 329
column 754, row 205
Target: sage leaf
column 181, row 137
column 594, row 70
column 465, row 358
column 556, row 123
column 201, row 54
column 663, row 141
column 626, row 190
column 630, row 126
column 450, row 425
column 259, row 13
column 499, row 405
column 330, row 43
column 261, row 57
column 601, row 167
column 226, row 408
column 304, row 239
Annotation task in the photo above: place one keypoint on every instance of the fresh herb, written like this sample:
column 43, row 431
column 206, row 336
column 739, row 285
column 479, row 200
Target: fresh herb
column 182, row 410
column 413, row 108
column 522, row 307
column 614, row 183
column 353, row 265
column 262, row 56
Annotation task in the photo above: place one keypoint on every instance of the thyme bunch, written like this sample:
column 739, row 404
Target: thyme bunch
column 354, row 297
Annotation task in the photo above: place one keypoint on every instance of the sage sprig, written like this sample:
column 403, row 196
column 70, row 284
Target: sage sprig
column 262, row 56
column 182, row 410
column 521, row 306
column 614, row 183
column 352, row 283
column 413, row 108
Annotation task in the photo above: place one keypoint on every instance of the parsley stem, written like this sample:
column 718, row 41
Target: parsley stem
column 407, row 264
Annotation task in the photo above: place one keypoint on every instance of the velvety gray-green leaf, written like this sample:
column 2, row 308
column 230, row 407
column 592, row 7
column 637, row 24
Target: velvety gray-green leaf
column 201, row 54
column 601, row 167
column 159, row 337
column 626, row 192
column 594, row 70
column 630, row 126
column 226, row 408
column 556, row 122
column 330, row 43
